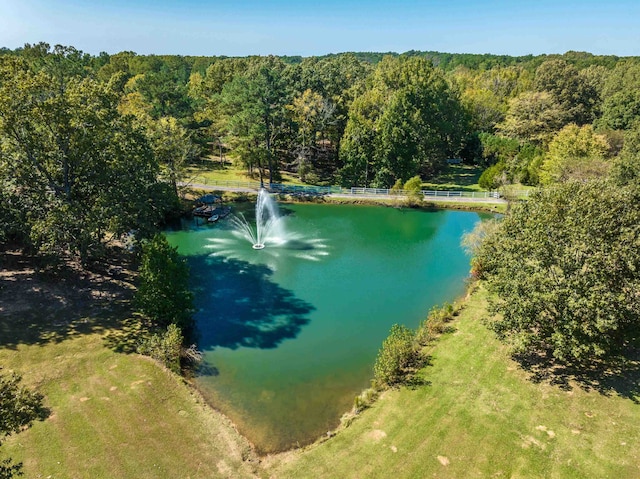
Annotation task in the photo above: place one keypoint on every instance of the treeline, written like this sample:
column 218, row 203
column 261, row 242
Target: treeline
column 94, row 146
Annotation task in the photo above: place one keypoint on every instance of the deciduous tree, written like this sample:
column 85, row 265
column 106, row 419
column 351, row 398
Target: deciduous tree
column 564, row 268
column 80, row 168
column 575, row 153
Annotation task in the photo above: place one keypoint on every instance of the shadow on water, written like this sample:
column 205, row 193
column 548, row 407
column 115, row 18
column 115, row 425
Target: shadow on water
column 240, row 306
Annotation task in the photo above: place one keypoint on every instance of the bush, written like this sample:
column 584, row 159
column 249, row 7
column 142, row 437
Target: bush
column 163, row 293
column 413, row 187
column 364, row 400
column 396, row 358
column 435, row 324
column 165, row 348
column 492, row 177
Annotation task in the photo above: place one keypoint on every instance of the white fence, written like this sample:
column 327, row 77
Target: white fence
column 354, row 191
column 425, row 193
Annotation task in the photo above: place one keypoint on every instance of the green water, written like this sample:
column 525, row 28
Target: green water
column 290, row 333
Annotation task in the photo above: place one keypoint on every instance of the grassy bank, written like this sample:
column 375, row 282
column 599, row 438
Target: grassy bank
column 112, row 415
column 477, row 415
column 488, row 206
column 480, row 415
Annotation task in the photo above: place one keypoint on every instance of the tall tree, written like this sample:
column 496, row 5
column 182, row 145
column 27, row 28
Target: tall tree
column 81, row 169
column 575, row 153
column 414, row 118
column 533, row 117
column 313, row 115
column 565, row 270
column 621, row 97
column 577, row 97
column 254, row 106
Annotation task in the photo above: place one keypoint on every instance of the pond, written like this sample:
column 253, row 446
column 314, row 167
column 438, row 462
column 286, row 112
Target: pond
column 290, row 332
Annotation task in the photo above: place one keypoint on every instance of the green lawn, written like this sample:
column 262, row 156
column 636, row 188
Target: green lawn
column 478, row 415
column 112, row 415
column 458, row 178
column 208, row 170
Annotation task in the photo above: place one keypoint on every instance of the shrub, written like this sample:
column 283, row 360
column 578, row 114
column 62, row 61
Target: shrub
column 364, row 400
column 492, row 177
column 413, row 188
column 434, row 324
column 163, row 293
column 164, row 347
column 396, row 357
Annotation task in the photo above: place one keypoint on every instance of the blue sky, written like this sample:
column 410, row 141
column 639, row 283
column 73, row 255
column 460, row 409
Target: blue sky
column 285, row 27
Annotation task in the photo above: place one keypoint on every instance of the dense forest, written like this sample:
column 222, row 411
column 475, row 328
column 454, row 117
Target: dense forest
column 99, row 143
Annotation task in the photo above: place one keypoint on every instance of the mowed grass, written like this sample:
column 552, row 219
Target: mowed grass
column 117, row 416
column 209, row 170
column 479, row 415
column 456, row 177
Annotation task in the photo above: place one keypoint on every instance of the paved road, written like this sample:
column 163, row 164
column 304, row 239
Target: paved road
column 443, row 199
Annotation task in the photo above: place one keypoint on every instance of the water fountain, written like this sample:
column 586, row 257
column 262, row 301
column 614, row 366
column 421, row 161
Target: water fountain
column 269, row 228
column 272, row 234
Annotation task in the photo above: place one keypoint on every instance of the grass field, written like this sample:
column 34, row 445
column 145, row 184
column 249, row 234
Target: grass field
column 208, row 170
column 111, row 415
column 456, row 177
column 477, row 415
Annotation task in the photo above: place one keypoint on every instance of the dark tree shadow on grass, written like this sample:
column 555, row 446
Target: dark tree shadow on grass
column 39, row 307
column 617, row 376
column 240, row 306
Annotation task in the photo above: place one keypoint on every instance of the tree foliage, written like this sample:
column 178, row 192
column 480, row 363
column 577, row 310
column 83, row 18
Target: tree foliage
column 163, row 293
column 165, row 347
column 534, row 117
column 81, row 170
column 576, row 96
column 19, row 407
column 575, row 153
column 565, row 270
column 404, row 124
column 254, row 106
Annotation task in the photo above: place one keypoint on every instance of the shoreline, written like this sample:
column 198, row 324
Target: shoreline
column 485, row 206
column 342, row 422
column 344, row 419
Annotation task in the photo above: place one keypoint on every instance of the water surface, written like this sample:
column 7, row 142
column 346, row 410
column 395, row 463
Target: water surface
column 290, row 334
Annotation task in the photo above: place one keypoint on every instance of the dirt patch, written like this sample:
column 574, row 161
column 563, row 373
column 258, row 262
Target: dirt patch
column 549, row 432
column 376, row 435
column 528, row 441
